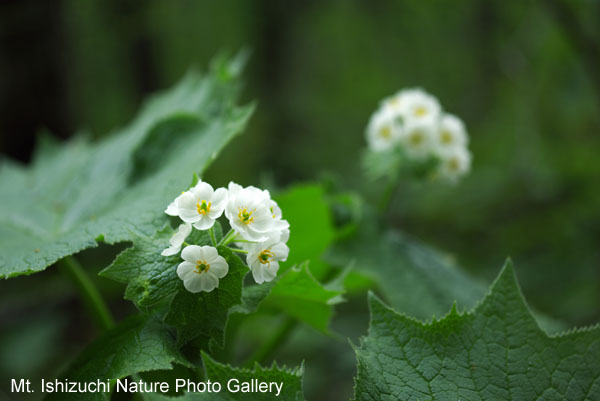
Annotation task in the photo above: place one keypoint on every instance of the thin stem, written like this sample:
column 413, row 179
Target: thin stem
column 89, row 293
column 263, row 353
column 213, row 239
column 238, row 250
column 229, row 237
column 387, row 196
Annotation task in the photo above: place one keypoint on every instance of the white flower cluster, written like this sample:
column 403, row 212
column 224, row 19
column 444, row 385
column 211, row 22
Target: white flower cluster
column 413, row 120
column 257, row 228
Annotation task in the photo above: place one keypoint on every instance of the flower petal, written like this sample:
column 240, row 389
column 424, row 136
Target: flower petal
column 204, row 223
column 192, row 253
column 219, row 267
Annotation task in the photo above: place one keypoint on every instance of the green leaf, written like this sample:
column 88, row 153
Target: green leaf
column 151, row 278
column 413, row 277
column 138, row 344
column 290, row 381
column 298, row 294
column 311, row 227
column 202, row 317
column 108, row 190
column 495, row 352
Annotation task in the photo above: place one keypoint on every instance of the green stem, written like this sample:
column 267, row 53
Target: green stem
column 229, row 237
column 263, row 353
column 213, row 239
column 238, row 250
column 88, row 292
column 387, row 196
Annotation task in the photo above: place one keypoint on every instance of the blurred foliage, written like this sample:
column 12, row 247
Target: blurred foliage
column 523, row 76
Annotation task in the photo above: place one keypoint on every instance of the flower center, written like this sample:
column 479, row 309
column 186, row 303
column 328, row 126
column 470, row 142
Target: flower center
column 245, row 216
column 447, row 138
column 453, row 164
column 203, row 207
column 385, row 132
column 265, row 256
column 420, row 111
column 201, row 266
column 416, row 138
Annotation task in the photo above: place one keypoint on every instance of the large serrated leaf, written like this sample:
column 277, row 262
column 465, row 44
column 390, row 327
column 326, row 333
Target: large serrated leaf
column 138, row 344
column 495, row 352
column 73, row 195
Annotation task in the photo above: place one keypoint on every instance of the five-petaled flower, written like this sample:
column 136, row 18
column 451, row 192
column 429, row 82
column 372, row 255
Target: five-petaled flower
column 263, row 258
column 200, row 205
column 202, row 268
column 249, row 213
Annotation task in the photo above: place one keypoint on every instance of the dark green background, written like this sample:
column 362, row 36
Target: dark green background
column 523, row 75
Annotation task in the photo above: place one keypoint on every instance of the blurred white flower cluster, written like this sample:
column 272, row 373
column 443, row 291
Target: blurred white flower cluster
column 413, row 123
column 257, row 229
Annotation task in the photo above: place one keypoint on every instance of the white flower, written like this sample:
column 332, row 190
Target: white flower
column 451, row 133
column 383, row 132
column 416, row 104
column 280, row 226
column 263, row 258
column 454, row 163
column 201, row 205
column 177, row 239
column 418, row 138
column 202, row 268
column 248, row 212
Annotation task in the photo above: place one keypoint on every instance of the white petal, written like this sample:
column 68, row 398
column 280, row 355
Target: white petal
column 219, row 197
column 204, row 223
column 172, row 250
column 209, row 253
column 182, row 233
column 185, row 269
column 192, row 253
column 203, row 191
column 257, row 273
column 194, row 283
column 270, row 272
column 219, row 267
column 280, row 251
column 209, row 282
column 172, row 209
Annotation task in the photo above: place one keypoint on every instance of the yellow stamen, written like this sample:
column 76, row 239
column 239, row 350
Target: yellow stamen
column 453, row 164
column 385, row 132
column 201, row 267
column 203, row 207
column 420, row 111
column 265, row 256
column 245, row 216
column 416, row 138
column 446, row 137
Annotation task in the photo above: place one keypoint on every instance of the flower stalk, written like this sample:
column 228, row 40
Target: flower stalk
column 88, row 292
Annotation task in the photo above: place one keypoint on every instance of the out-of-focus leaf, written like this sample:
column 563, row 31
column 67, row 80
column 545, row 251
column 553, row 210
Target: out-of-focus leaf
column 75, row 195
column 138, row 344
column 311, row 227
